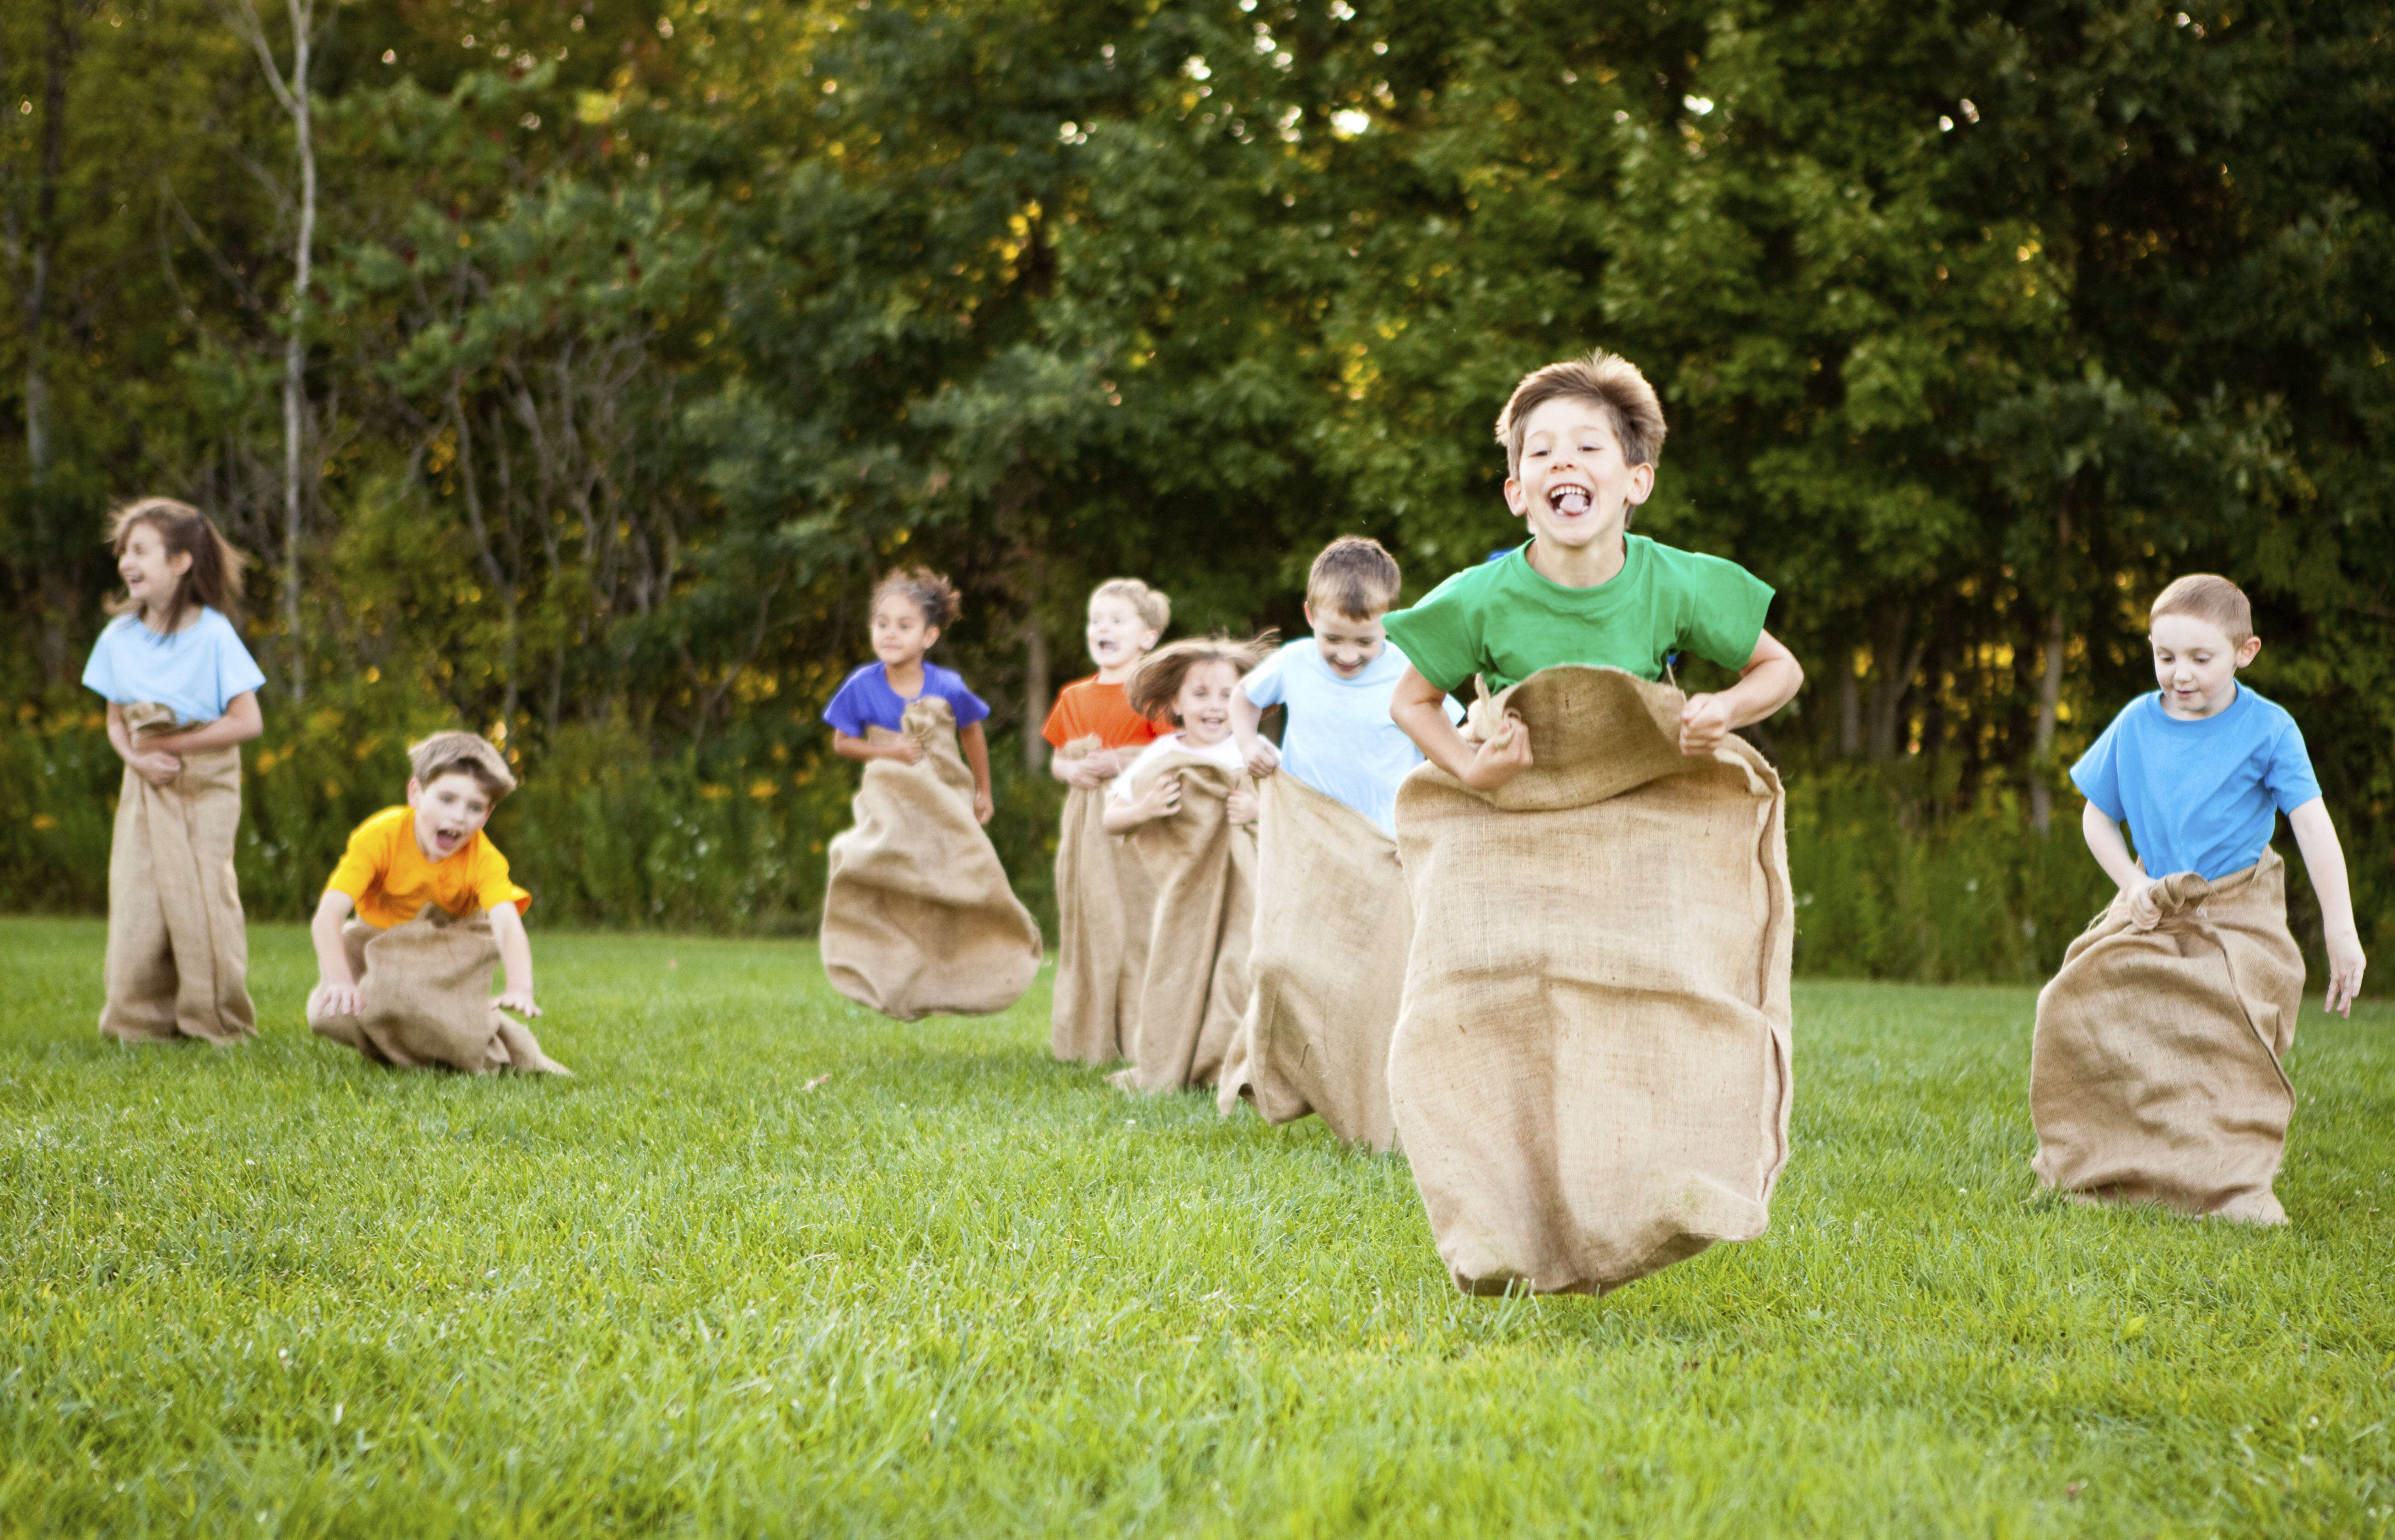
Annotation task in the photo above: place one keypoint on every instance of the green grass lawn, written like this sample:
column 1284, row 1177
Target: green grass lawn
column 957, row 1289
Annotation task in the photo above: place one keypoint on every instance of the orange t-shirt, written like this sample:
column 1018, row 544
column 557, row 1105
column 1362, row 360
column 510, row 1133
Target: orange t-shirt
column 385, row 873
column 1086, row 706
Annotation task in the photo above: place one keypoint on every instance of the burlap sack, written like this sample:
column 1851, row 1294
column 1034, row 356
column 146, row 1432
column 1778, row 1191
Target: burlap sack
column 918, row 916
column 1591, row 1070
column 1196, row 988
column 2156, row 1073
column 177, row 960
column 427, row 984
column 1105, row 902
column 1327, row 961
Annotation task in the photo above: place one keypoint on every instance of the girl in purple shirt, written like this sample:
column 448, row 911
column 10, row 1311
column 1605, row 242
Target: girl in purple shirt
column 909, row 608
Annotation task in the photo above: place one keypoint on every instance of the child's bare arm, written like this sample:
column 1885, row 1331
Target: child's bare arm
column 2112, row 852
column 2324, row 858
column 1258, row 754
column 151, row 764
column 1769, row 681
column 1162, row 799
column 336, row 990
column 1418, row 708
column 515, row 956
column 239, row 723
column 974, row 744
column 1086, row 773
column 906, row 750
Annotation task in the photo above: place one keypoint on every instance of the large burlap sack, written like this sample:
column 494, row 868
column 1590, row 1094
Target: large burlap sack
column 1590, row 1071
column 1105, row 902
column 177, row 961
column 1328, row 963
column 1195, row 992
column 2156, row 1072
column 918, row 916
column 427, row 988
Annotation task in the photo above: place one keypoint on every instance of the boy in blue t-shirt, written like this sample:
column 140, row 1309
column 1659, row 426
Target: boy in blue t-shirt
column 2200, row 768
column 1336, row 685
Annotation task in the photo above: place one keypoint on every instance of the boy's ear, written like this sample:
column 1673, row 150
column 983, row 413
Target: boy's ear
column 1514, row 498
column 1642, row 484
column 2248, row 649
column 1308, row 610
column 415, row 791
column 1148, row 637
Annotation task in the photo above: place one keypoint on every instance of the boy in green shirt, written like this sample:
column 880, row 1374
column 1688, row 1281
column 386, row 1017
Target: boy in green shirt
column 1582, row 439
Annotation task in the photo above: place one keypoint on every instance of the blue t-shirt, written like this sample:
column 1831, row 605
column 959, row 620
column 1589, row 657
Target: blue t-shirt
column 1339, row 738
column 195, row 673
column 865, row 699
column 2199, row 797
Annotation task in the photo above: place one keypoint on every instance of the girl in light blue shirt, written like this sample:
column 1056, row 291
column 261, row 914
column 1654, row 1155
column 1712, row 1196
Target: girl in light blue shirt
column 183, row 698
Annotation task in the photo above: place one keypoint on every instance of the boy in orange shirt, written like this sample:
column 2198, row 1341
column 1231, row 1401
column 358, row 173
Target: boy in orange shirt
column 429, row 862
column 1126, row 618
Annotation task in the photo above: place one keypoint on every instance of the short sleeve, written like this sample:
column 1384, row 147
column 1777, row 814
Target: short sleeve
column 1062, row 720
column 99, row 673
column 1266, row 684
column 846, row 712
column 1437, row 635
column 1726, row 608
column 362, row 864
column 969, row 707
column 237, row 672
column 2289, row 774
column 2097, row 773
column 492, row 886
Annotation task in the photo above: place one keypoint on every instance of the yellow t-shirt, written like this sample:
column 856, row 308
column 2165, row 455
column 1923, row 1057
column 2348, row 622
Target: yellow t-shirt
column 385, row 873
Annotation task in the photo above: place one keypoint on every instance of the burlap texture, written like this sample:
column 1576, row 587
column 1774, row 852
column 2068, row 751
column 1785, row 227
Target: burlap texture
column 1195, row 992
column 1105, row 902
column 1591, row 1070
column 177, row 960
column 1328, row 962
column 427, row 988
column 918, row 916
column 2156, row 1073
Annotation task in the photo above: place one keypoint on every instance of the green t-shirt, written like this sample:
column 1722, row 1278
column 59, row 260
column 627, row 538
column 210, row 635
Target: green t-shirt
column 1506, row 621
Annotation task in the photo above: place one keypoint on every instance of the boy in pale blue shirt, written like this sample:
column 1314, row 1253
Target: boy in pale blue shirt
column 1336, row 685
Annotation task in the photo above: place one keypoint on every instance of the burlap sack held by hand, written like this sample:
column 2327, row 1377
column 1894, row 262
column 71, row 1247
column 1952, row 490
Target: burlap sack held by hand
column 1196, row 989
column 918, row 916
column 427, row 988
column 177, row 962
column 2155, row 1073
column 1328, row 962
column 1591, row 1071
column 1105, row 902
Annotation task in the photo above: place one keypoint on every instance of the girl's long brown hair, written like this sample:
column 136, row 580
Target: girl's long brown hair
column 215, row 576
column 1156, row 682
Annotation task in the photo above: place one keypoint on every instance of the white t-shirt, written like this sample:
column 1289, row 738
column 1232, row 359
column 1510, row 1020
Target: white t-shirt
column 1226, row 753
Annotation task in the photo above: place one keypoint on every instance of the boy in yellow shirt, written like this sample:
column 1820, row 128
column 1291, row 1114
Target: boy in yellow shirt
column 408, row 981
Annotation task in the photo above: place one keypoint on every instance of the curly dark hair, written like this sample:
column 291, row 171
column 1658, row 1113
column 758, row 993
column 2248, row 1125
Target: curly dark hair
column 931, row 593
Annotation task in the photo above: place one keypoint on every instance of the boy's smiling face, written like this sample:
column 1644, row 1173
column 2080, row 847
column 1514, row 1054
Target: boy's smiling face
column 1573, row 483
column 449, row 812
column 1117, row 634
column 1348, row 644
column 2196, row 666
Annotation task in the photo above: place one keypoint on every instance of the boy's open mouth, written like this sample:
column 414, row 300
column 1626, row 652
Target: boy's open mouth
column 448, row 840
column 1568, row 501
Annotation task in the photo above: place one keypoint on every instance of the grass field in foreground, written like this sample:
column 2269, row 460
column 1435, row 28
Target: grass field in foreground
column 959, row 1289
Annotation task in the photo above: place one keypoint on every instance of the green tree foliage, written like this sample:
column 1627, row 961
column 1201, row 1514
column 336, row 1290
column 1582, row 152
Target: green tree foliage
column 645, row 336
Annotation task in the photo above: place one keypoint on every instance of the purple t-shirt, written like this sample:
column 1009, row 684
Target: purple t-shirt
column 865, row 699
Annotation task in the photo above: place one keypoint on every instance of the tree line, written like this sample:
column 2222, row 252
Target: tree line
column 572, row 367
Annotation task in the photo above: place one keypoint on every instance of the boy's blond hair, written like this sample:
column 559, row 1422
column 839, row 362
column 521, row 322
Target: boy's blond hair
column 1156, row 680
column 2210, row 598
column 461, row 753
column 1609, row 380
column 1149, row 605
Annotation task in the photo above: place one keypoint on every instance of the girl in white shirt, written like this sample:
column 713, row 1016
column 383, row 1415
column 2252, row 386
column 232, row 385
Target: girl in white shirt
column 1190, row 685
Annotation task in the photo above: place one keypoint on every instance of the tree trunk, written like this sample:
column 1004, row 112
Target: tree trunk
column 1850, row 708
column 34, row 241
column 1891, row 681
column 2049, row 694
column 1035, row 695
